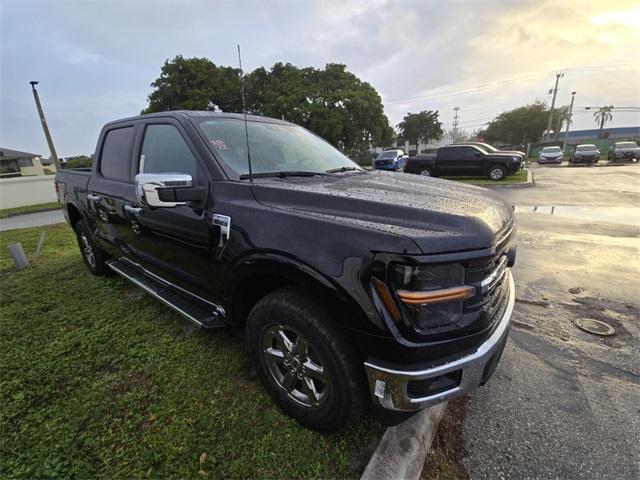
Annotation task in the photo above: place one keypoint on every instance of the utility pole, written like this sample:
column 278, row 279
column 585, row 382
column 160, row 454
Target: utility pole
column 455, row 121
column 52, row 149
column 566, row 133
column 559, row 75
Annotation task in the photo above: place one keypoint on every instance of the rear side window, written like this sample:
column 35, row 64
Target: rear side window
column 449, row 153
column 165, row 151
column 115, row 159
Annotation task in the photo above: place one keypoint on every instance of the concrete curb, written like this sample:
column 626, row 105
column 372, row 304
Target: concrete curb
column 529, row 183
column 17, row 214
column 403, row 449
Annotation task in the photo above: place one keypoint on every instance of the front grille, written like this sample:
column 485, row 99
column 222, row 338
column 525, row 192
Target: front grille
column 485, row 309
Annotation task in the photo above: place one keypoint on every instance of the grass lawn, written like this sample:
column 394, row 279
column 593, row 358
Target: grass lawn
column 519, row 177
column 7, row 212
column 101, row 381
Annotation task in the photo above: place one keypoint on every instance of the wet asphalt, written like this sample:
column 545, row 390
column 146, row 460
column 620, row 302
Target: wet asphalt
column 564, row 403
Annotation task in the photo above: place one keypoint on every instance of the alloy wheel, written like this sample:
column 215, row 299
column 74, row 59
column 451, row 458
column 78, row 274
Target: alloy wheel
column 496, row 174
column 295, row 367
column 87, row 250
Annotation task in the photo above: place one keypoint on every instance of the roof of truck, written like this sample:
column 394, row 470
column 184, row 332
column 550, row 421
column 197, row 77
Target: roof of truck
column 200, row 114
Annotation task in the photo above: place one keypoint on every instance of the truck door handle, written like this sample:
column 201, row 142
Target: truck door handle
column 92, row 197
column 133, row 210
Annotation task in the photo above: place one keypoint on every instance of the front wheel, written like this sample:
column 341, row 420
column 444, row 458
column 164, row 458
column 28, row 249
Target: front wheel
column 497, row 172
column 425, row 172
column 305, row 361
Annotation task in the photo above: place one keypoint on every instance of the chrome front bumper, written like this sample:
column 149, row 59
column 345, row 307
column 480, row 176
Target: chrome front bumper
column 389, row 386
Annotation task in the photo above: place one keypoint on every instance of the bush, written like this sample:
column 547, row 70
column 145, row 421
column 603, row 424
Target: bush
column 364, row 157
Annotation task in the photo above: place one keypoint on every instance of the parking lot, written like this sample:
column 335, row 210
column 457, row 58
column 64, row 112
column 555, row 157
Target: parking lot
column 564, row 403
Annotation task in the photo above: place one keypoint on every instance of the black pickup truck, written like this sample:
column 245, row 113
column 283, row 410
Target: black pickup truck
column 354, row 287
column 465, row 160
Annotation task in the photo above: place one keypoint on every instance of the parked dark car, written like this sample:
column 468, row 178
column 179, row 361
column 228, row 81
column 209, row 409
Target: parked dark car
column 586, row 153
column 353, row 287
column 492, row 149
column 393, row 160
column 464, row 160
column 624, row 151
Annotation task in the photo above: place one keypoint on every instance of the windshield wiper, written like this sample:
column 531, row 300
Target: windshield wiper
column 343, row 169
column 281, row 174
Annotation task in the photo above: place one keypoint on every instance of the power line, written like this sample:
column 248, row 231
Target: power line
column 474, row 88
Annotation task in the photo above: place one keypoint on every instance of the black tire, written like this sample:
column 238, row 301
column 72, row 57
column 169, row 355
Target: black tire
column 93, row 257
column 497, row 172
column 426, row 172
column 329, row 404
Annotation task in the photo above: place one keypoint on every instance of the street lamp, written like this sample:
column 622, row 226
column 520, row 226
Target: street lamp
column 566, row 133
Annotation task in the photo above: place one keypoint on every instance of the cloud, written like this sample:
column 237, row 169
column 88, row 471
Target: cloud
column 95, row 60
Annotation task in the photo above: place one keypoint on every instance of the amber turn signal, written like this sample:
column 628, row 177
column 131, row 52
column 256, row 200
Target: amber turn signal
column 385, row 296
column 436, row 296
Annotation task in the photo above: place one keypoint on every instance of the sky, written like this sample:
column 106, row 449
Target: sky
column 95, row 60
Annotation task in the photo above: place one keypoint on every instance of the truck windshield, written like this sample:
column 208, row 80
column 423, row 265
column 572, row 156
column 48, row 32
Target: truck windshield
column 383, row 155
column 274, row 147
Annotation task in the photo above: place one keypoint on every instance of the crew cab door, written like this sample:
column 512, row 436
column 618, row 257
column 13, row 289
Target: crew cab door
column 111, row 188
column 471, row 161
column 447, row 161
column 178, row 242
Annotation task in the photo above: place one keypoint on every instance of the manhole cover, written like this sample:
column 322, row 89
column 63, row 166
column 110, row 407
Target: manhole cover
column 595, row 326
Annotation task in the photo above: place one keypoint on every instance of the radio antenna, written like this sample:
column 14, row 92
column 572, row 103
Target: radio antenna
column 244, row 111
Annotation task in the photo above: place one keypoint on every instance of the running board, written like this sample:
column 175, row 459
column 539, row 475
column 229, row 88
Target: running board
column 194, row 308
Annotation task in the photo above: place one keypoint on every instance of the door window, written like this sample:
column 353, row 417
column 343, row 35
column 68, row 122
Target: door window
column 468, row 153
column 115, row 159
column 165, row 151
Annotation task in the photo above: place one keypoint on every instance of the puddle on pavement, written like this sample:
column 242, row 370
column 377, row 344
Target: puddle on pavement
column 624, row 215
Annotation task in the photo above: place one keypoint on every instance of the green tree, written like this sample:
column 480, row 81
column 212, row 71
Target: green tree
column 77, row 161
column 332, row 102
column 195, row 84
column 562, row 118
column 420, row 127
column 602, row 116
column 520, row 125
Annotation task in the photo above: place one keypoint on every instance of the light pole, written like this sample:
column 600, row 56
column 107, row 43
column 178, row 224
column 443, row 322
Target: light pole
column 566, row 133
column 52, row 149
column 455, row 121
column 559, row 75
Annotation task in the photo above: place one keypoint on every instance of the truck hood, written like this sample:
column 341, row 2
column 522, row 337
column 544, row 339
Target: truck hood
column 439, row 216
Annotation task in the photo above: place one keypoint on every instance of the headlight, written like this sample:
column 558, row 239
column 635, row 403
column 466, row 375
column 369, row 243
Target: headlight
column 516, row 159
column 432, row 296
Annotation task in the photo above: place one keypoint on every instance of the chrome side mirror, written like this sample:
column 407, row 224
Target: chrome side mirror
column 153, row 189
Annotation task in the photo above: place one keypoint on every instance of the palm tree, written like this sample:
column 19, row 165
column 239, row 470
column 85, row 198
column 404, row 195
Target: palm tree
column 562, row 118
column 602, row 116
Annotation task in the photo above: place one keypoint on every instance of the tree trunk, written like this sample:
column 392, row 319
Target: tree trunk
column 601, row 126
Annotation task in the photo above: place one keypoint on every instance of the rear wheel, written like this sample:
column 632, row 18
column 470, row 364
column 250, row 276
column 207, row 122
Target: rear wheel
column 426, row 172
column 497, row 172
column 305, row 361
column 93, row 257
